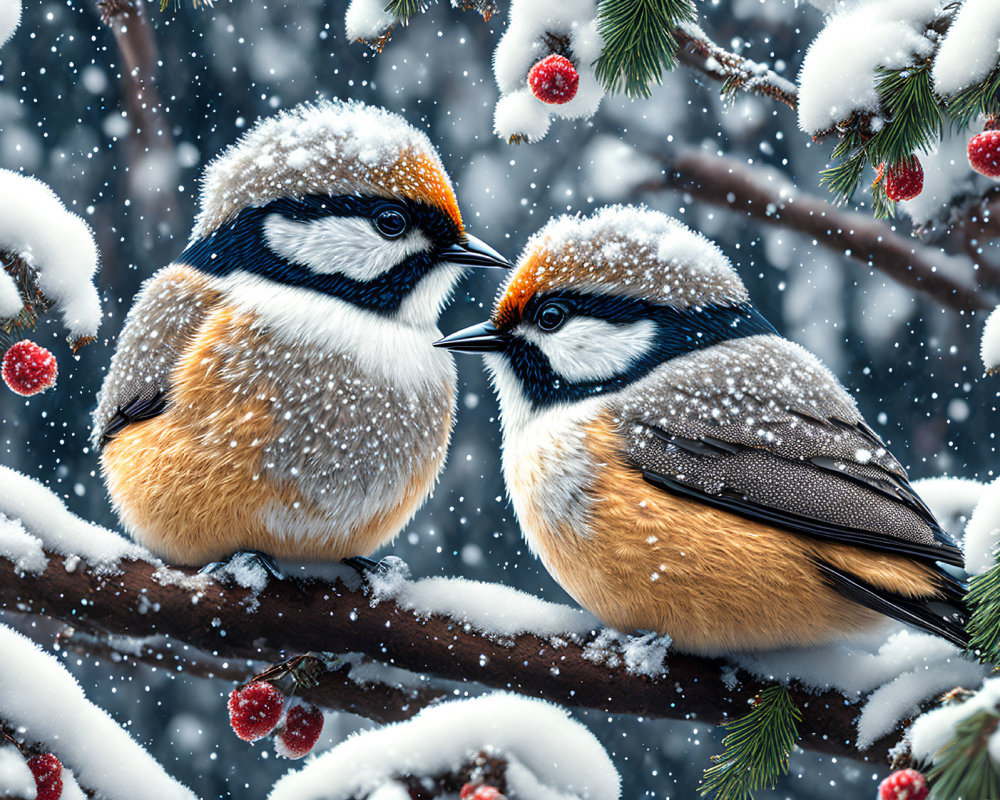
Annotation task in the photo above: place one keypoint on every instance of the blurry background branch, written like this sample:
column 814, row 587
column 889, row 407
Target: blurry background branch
column 234, row 624
column 771, row 199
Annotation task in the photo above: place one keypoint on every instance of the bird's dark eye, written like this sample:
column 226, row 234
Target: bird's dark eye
column 551, row 316
column 391, row 223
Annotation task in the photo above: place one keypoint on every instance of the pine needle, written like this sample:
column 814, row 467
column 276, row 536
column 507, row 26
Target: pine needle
column 983, row 600
column 639, row 44
column 964, row 769
column 757, row 748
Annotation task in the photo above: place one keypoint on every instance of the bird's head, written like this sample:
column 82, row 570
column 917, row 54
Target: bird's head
column 596, row 303
column 343, row 199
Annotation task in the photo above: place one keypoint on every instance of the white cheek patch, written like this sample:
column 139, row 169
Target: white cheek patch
column 346, row 245
column 589, row 349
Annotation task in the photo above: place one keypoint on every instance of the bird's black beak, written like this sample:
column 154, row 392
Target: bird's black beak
column 481, row 338
column 473, row 252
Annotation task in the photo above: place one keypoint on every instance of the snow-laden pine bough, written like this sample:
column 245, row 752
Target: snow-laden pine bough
column 404, row 644
column 48, row 260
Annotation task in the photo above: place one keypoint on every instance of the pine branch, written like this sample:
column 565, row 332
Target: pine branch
column 405, row 10
column 983, row 600
column 964, row 769
column 757, row 748
column 982, row 99
column 639, row 42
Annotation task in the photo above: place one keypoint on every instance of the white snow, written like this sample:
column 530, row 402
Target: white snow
column 990, row 344
column 367, row 19
column 10, row 18
column 10, row 298
column 393, row 790
column 933, row 730
column 982, row 532
column 39, row 696
column 558, row 753
column 641, row 655
column 57, row 244
column 490, row 608
column 520, row 113
column 16, row 779
column 20, row 547
column 900, row 669
column 950, row 498
column 524, row 43
column 968, row 51
column 838, row 73
column 43, row 515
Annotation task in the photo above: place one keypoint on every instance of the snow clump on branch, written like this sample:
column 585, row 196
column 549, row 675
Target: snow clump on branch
column 46, row 704
column 57, row 245
column 536, row 30
column 10, row 18
column 548, row 754
column 838, row 75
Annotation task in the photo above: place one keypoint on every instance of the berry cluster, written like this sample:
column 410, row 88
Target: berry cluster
column 904, row 784
column 257, row 709
column 28, row 368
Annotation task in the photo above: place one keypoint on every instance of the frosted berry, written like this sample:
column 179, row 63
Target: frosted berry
column 48, row 776
column 984, row 153
column 255, row 710
column 904, row 784
column 303, row 726
column 904, row 180
column 554, row 80
column 29, row 369
column 480, row 791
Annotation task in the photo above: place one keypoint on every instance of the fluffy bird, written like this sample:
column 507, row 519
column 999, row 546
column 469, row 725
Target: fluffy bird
column 275, row 388
column 679, row 467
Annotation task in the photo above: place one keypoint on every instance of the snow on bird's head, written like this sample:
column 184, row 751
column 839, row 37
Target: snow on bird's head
column 625, row 250
column 330, row 148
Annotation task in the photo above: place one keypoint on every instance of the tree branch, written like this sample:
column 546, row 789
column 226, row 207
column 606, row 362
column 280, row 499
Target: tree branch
column 731, row 185
column 297, row 616
column 735, row 72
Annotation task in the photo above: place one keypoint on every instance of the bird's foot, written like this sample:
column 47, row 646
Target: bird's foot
column 381, row 568
column 250, row 568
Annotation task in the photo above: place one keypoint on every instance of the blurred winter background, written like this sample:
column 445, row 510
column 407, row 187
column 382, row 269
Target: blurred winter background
column 913, row 363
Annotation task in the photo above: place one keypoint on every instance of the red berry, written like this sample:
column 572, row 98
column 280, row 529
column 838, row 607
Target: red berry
column 255, row 710
column 904, row 180
column 29, row 369
column 554, row 80
column 480, row 791
column 904, row 784
column 48, row 776
column 303, row 726
column 984, row 153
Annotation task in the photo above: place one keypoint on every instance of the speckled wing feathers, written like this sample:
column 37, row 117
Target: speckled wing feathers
column 758, row 426
column 167, row 312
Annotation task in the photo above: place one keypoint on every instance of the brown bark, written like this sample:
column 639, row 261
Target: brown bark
column 294, row 617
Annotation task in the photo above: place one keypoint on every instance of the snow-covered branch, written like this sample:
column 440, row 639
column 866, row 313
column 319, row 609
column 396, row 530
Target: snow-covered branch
column 487, row 644
column 734, row 71
column 771, row 199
